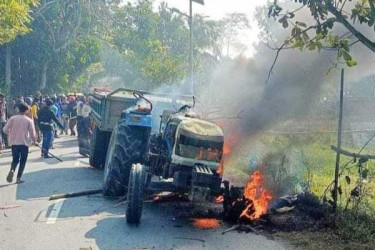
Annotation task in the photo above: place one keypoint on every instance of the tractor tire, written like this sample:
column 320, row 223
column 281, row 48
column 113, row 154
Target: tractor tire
column 136, row 187
column 98, row 148
column 127, row 146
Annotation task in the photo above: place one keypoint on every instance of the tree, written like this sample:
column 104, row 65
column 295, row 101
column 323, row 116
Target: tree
column 231, row 25
column 156, row 44
column 356, row 17
column 60, row 24
column 60, row 48
column 14, row 19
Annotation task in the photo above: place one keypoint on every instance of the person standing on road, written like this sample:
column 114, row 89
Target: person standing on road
column 34, row 113
column 21, row 133
column 72, row 110
column 80, row 104
column 3, row 119
column 83, row 123
column 46, row 117
column 65, row 115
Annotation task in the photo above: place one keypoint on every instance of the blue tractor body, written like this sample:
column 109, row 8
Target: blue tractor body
column 135, row 118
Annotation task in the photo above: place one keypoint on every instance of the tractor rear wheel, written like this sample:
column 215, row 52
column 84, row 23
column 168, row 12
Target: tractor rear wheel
column 98, row 148
column 136, row 187
column 127, row 146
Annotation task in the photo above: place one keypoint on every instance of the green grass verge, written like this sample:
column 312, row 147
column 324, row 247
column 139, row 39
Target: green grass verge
column 307, row 160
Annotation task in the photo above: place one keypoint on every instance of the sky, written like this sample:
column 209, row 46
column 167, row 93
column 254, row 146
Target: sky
column 216, row 9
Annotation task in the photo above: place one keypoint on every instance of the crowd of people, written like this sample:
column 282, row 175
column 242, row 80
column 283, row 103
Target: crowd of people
column 30, row 120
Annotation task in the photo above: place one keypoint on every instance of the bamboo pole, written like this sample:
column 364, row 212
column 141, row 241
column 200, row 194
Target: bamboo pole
column 339, row 138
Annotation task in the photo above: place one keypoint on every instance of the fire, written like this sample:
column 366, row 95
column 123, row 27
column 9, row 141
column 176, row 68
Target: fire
column 219, row 199
column 220, row 169
column 232, row 138
column 260, row 197
column 227, row 148
column 206, row 223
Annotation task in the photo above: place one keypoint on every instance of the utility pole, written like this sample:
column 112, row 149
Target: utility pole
column 191, row 70
column 339, row 135
column 191, row 49
column 191, row 55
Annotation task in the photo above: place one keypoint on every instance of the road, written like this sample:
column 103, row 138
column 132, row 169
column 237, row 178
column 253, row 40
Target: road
column 28, row 220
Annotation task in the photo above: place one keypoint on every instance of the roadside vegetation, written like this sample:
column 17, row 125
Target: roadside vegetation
column 281, row 155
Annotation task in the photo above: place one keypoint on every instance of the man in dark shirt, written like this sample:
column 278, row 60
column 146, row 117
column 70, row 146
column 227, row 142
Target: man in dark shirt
column 65, row 115
column 46, row 117
column 72, row 110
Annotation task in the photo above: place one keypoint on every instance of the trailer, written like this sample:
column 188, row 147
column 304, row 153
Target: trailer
column 107, row 107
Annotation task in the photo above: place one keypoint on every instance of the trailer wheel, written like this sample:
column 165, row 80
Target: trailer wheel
column 127, row 146
column 137, row 181
column 98, row 148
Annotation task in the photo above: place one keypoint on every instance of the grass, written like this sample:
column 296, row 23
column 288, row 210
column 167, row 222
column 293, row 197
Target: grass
column 294, row 162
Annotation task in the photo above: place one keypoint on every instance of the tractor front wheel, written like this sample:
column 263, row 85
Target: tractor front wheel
column 136, row 187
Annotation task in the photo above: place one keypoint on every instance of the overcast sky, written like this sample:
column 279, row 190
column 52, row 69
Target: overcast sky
column 217, row 8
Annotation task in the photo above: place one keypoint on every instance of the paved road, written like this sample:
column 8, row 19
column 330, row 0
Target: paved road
column 28, row 220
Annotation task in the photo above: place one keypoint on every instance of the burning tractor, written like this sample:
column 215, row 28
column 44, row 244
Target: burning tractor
column 183, row 156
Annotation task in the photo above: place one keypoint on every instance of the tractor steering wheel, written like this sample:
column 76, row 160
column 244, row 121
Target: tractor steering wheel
column 139, row 96
column 185, row 107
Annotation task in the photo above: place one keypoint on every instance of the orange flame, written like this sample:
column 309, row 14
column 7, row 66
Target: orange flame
column 231, row 139
column 219, row 199
column 260, row 196
column 227, row 148
column 206, row 223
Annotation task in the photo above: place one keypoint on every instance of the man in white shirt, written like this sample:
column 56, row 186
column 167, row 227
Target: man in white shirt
column 21, row 133
column 83, row 125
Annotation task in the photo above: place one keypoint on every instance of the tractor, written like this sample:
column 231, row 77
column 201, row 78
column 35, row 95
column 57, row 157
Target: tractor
column 182, row 156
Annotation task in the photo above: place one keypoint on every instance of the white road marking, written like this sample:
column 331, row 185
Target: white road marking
column 55, row 212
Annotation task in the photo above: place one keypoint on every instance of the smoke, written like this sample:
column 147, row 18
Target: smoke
column 300, row 83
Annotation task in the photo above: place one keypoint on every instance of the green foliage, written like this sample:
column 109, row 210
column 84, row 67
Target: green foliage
column 156, row 44
column 355, row 221
column 322, row 33
column 356, row 227
column 135, row 33
column 62, row 41
column 73, row 68
column 14, row 18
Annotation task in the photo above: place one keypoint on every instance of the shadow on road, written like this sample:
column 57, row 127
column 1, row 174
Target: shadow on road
column 161, row 229
column 157, row 230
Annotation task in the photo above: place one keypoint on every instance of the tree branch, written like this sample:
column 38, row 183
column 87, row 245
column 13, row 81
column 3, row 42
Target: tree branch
column 341, row 19
column 274, row 62
column 281, row 48
column 372, row 5
column 350, row 154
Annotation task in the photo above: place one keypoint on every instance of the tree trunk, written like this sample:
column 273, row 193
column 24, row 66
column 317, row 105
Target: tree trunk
column 8, row 70
column 43, row 82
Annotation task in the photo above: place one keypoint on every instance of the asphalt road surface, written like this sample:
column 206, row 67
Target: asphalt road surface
column 28, row 220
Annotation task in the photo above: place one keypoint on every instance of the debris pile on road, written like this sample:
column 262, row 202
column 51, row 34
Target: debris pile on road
column 249, row 203
column 288, row 213
column 302, row 212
